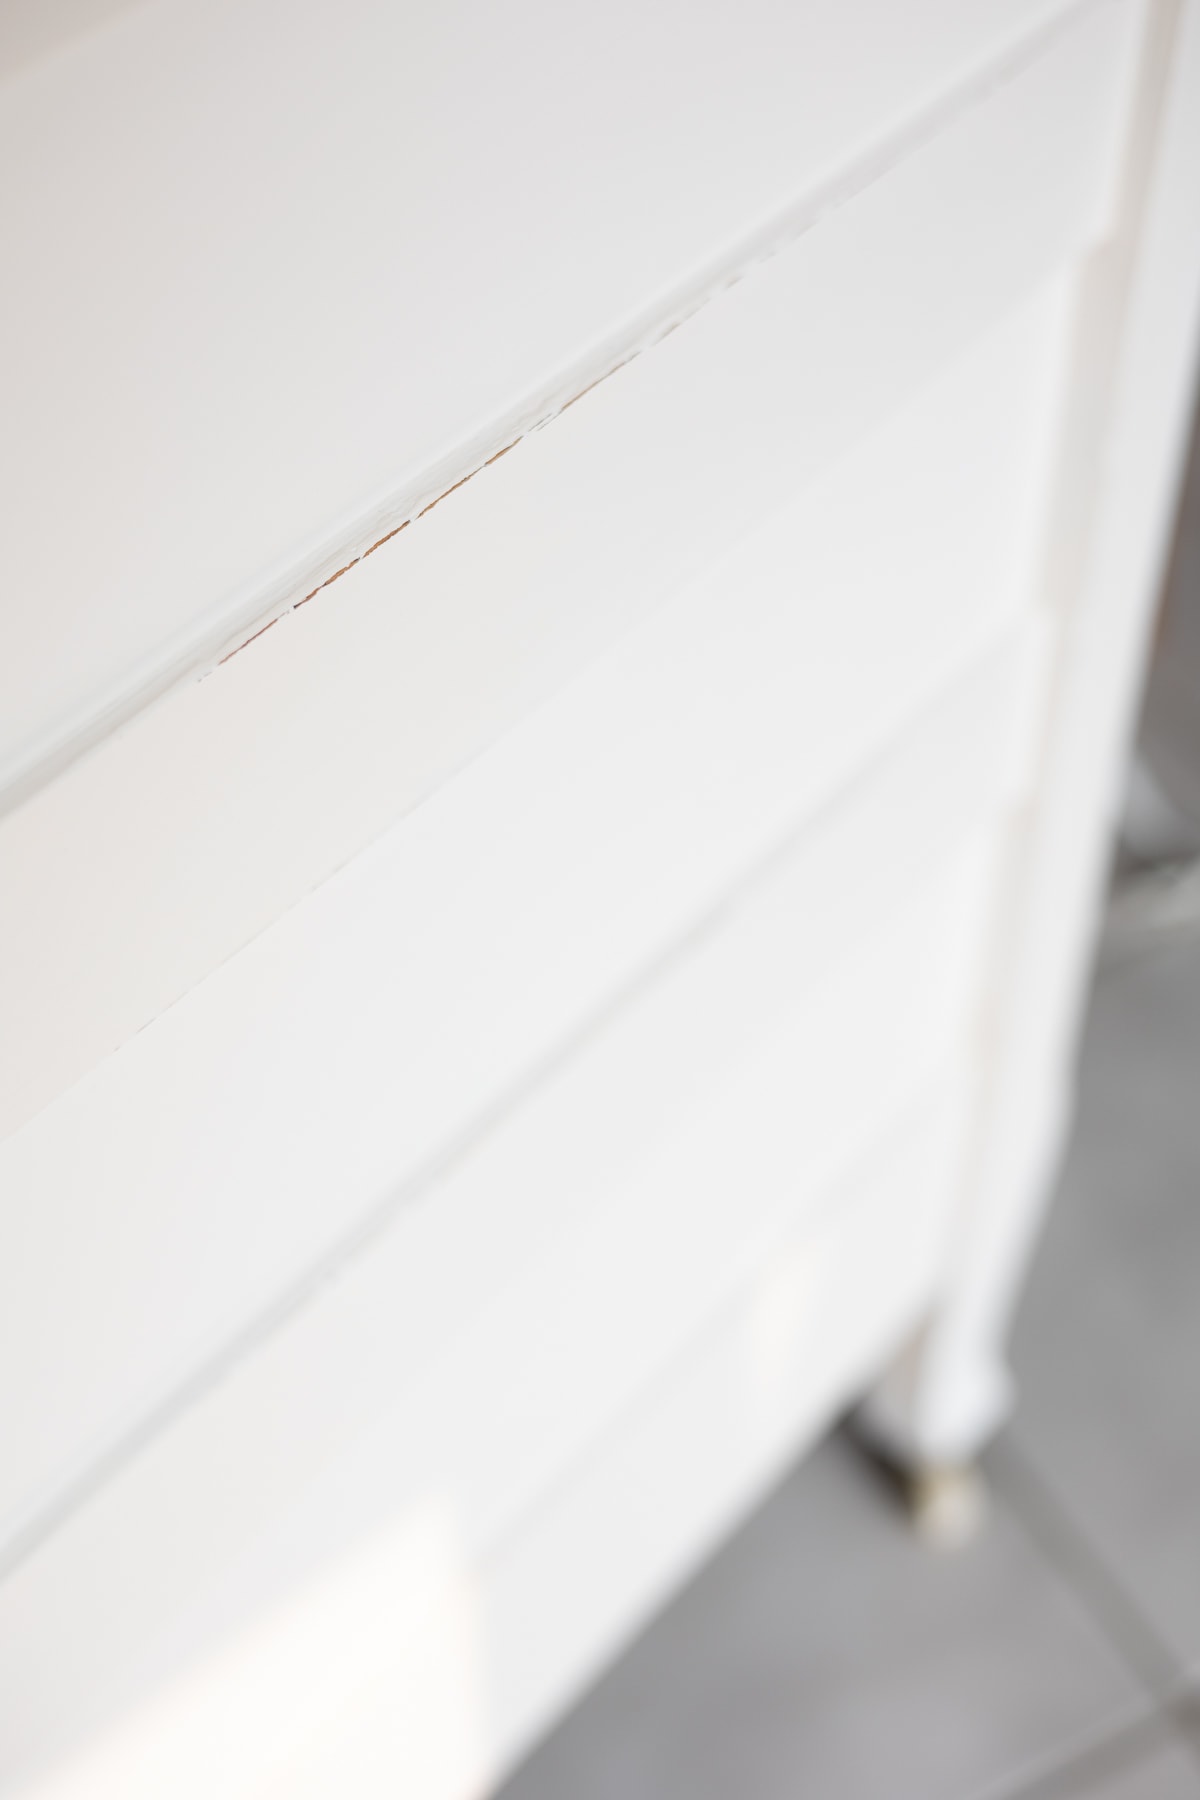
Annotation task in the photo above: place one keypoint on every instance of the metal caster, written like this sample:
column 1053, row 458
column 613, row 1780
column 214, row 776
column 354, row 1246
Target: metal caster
column 947, row 1504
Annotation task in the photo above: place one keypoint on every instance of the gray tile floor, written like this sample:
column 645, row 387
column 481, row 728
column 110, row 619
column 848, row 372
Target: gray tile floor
column 825, row 1653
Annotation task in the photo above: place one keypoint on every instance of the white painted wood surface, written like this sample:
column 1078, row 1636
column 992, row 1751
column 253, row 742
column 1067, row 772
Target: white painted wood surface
column 197, row 825
column 482, row 1234
column 547, row 1276
column 195, row 1177
column 249, row 323
column 411, row 1657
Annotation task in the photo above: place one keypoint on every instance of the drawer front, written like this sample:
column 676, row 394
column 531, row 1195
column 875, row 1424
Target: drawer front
column 410, row 1654
column 198, row 1176
column 502, row 1326
column 201, row 822
column 111, row 1305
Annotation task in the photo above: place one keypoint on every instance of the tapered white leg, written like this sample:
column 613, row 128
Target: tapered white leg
column 1122, row 434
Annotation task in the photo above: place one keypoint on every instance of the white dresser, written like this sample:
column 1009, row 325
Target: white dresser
column 576, row 582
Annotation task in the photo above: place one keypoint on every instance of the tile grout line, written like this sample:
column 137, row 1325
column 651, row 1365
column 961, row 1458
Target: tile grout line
column 1117, row 1614
column 1113, row 1749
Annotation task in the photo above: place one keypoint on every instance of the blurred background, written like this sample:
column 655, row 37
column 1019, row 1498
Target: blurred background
column 827, row 1651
